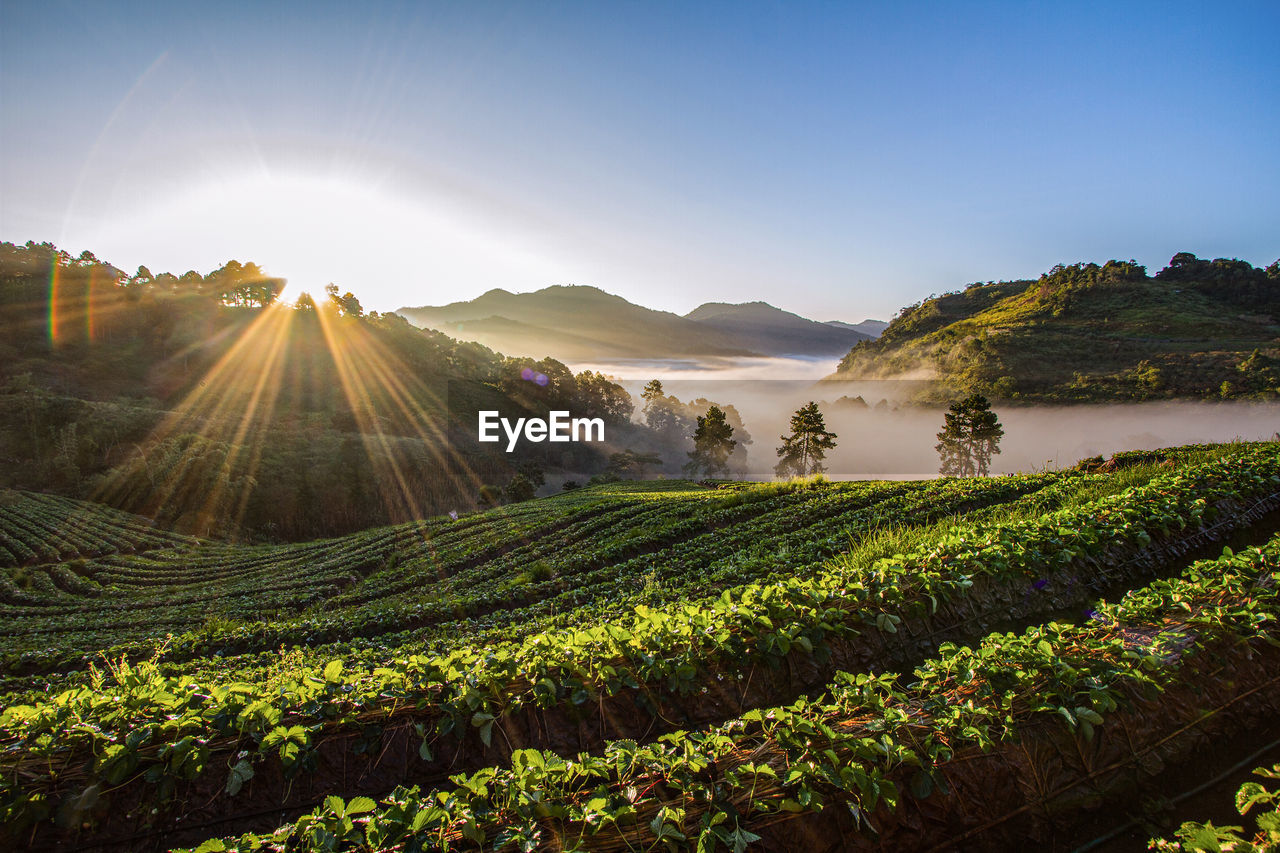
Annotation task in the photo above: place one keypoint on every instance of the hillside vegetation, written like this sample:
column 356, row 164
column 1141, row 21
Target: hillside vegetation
column 204, row 403
column 643, row 665
column 1197, row 329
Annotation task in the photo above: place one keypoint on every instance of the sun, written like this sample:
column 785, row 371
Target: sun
column 389, row 245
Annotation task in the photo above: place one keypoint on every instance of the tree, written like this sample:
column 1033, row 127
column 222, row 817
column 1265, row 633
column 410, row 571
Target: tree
column 652, row 391
column 597, row 397
column 532, row 471
column 519, row 489
column 802, row 452
column 629, row 463
column 1259, row 373
column 712, row 444
column 659, row 410
column 969, row 438
column 346, row 304
column 242, row 285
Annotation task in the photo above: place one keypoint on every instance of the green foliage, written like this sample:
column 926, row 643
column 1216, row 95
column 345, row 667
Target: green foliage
column 519, row 489
column 1179, row 334
column 855, row 746
column 803, row 450
column 713, row 444
column 200, row 402
column 764, row 552
column 1260, row 373
column 1193, row 835
column 629, row 464
column 970, row 437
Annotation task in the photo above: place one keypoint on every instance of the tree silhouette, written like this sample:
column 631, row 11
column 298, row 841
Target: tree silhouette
column 346, row 304
column 631, row 464
column 969, row 438
column 660, row 411
column 712, row 444
column 802, row 452
column 519, row 489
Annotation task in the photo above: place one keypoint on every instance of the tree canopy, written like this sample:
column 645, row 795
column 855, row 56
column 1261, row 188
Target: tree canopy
column 804, row 449
column 970, row 437
column 713, row 444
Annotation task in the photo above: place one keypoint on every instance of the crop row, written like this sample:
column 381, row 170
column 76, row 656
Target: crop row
column 45, row 528
column 169, row 592
column 787, row 533
column 136, row 721
column 1087, row 701
column 246, row 578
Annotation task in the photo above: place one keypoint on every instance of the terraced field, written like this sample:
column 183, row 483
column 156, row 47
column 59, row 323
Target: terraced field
column 660, row 665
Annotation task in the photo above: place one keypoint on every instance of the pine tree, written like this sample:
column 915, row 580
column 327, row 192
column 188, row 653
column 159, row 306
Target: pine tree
column 659, row 410
column 802, row 452
column 712, row 444
column 970, row 437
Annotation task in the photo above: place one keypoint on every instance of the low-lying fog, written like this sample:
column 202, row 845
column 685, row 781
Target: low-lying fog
column 901, row 444
column 630, row 371
column 890, row 442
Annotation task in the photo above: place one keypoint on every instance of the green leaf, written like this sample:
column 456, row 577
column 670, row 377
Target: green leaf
column 1089, row 715
column 335, row 805
column 484, row 722
column 741, row 838
column 921, row 784
column 360, row 805
column 213, row 845
column 242, row 772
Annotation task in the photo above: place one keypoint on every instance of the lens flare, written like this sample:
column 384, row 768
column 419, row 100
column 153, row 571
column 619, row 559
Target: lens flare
column 82, row 300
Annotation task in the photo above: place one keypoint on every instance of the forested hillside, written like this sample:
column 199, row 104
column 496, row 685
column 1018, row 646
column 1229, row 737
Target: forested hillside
column 202, row 402
column 1197, row 329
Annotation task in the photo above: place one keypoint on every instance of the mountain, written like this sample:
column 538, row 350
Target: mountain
column 870, row 328
column 575, row 323
column 773, row 331
column 1197, row 329
column 578, row 323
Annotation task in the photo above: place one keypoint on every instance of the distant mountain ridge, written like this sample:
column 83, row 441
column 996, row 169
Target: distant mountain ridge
column 583, row 323
column 870, row 328
column 773, row 331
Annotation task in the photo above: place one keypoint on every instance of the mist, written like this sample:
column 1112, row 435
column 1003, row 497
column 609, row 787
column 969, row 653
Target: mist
column 900, row 444
column 881, row 436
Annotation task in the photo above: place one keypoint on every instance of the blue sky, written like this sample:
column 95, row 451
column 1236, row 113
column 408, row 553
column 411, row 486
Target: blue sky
column 838, row 160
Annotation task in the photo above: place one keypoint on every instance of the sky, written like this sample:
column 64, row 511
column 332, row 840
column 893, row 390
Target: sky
column 839, row 160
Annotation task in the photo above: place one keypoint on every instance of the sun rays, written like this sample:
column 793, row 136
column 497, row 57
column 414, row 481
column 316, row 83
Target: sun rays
column 206, row 452
column 82, row 302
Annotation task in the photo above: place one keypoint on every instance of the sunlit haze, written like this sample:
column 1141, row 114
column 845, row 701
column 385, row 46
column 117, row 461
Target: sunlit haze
column 839, row 161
